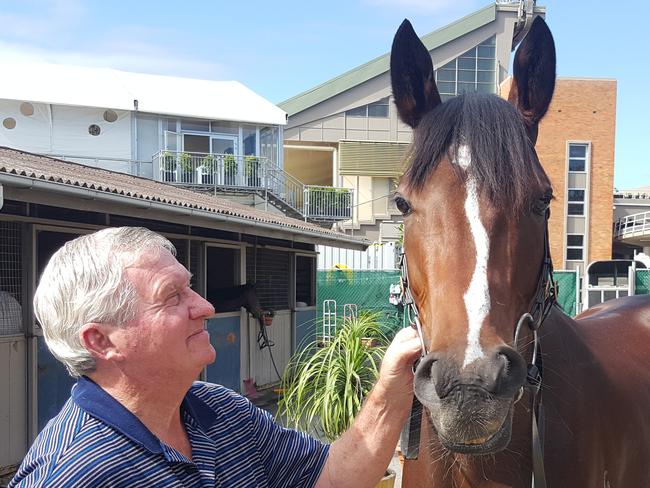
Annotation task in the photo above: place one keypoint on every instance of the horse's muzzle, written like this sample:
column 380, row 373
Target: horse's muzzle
column 471, row 407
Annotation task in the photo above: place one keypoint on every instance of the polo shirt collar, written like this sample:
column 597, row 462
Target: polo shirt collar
column 98, row 403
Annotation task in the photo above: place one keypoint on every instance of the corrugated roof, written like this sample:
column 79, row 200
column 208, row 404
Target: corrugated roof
column 381, row 64
column 110, row 88
column 134, row 190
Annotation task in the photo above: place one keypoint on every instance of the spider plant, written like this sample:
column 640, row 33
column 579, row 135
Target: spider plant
column 325, row 384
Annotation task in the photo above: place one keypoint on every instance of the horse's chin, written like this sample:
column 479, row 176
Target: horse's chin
column 457, row 438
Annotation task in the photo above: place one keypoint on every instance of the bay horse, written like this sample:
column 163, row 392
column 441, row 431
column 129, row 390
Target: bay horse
column 475, row 201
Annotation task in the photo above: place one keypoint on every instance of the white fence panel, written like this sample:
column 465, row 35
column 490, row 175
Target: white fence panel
column 378, row 256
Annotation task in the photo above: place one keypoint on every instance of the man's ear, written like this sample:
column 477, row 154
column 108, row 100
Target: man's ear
column 95, row 338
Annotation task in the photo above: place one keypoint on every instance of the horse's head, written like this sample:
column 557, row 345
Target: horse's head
column 475, row 201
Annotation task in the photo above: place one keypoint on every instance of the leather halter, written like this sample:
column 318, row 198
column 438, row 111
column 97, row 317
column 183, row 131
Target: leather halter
column 540, row 307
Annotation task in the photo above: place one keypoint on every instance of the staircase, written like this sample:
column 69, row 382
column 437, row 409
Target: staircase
column 228, row 173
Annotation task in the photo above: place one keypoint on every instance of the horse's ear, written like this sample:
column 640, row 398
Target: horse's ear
column 411, row 74
column 534, row 75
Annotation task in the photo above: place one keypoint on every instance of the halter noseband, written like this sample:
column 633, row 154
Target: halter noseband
column 541, row 304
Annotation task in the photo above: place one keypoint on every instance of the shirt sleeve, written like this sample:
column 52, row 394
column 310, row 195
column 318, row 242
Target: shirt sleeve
column 291, row 458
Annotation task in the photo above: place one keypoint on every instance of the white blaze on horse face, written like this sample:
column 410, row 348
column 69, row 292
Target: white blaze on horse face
column 477, row 296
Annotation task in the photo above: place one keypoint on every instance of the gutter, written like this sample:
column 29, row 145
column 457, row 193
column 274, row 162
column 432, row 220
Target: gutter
column 29, row 183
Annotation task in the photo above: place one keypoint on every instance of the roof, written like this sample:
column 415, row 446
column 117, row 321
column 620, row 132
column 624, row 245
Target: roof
column 26, row 170
column 110, row 88
column 381, row 64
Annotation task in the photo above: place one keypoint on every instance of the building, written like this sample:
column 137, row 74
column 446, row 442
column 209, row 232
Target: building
column 211, row 136
column 345, row 132
column 45, row 202
column 632, row 224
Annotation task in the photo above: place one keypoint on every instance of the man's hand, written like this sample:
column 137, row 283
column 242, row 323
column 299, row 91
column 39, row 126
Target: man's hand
column 396, row 373
column 359, row 458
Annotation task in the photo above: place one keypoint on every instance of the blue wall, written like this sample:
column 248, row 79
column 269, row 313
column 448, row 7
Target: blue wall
column 54, row 384
column 306, row 328
column 226, row 339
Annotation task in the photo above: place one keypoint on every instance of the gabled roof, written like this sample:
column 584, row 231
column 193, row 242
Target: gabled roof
column 26, row 170
column 110, row 88
column 381, row 64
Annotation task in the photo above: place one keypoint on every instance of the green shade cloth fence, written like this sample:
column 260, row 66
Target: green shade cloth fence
column 642, row 282
column 369, row 290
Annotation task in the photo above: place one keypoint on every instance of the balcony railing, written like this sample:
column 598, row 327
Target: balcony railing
column 632, row 225
column 229, row 171
column 328, row 203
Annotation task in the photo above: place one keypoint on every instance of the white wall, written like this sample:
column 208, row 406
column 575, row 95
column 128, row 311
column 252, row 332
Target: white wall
column 376, row 257
column 13, row 395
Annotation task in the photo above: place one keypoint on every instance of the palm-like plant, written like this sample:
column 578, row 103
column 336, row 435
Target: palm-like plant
column 324, row 387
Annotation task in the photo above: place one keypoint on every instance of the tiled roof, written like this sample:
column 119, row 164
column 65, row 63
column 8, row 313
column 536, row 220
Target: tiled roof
column 72, row 175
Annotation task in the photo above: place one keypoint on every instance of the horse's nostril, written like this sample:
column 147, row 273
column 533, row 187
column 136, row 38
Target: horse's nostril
column 511, row 370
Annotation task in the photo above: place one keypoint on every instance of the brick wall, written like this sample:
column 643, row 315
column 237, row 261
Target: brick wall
column 582, row 110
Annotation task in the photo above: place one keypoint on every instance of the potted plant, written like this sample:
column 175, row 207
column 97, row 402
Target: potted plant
column 168, row 166
column 230, row 169
column 324, row 387
column 267, row 317
column 208, row 167
column 187, row 168
column 252, row 170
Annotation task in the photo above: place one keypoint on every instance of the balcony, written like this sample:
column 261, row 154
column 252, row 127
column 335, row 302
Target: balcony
column 231, row 173
column 223, row 172
column 633, row 229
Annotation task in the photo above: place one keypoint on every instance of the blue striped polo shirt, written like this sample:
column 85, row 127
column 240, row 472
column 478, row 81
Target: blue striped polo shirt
column 96, row 442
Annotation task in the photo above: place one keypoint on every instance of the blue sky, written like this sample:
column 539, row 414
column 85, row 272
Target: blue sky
column 282, row 48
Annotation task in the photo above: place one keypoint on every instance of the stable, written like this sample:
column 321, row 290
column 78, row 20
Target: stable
column 45, row 202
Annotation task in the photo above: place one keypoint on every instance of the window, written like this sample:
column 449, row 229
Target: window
column 473, row 71
column 576, row 202
column 9, row 123
column 375, row 109
column 577, row 157
column 110, row 116
column 574, row 247
column 195, row 125
column 305, row 280
column 378, row 109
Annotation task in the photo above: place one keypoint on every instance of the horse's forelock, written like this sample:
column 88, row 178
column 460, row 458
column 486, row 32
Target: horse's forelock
column 502, row 157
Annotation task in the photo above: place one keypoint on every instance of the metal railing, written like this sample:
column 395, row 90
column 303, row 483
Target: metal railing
column 632, row 225
column 320, row 203
column 121, row 165
column 328, row 203
column 227, row 170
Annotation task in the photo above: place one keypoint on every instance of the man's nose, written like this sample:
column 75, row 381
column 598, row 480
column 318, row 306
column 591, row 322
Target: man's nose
column 200, row 307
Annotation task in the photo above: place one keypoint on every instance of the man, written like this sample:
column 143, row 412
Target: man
column 117, row 309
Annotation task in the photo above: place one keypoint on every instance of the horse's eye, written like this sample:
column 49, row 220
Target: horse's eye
column 543, row 203
column 402, row 205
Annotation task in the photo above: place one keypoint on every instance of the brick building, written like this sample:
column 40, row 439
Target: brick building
column 576, row 147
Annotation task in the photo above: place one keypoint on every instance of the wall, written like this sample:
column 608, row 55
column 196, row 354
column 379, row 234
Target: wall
column 13, row 413
column 581, row 110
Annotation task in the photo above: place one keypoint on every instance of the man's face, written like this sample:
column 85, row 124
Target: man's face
column 167, row 339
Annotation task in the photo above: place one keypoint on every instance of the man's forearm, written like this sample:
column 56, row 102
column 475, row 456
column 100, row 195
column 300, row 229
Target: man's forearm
column 360, row 456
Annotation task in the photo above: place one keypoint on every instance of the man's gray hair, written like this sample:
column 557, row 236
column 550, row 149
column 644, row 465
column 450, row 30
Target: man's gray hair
column 84, row 282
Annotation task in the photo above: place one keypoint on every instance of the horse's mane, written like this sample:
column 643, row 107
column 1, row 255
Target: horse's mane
column 503, row 158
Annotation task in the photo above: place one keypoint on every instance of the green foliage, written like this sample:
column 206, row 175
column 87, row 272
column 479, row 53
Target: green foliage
column 209, row 163
column 168, row 161
column 251, row 166
column 186, row 162
column 230, row 164
column 325, row 386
